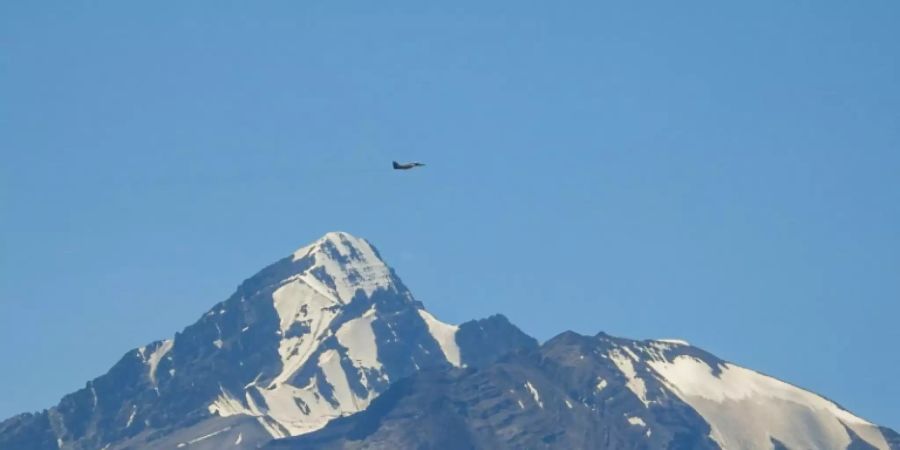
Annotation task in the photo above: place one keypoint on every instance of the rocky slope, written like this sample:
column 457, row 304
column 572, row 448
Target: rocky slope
column 599, row 392
column 317, row 335
column 327, row 349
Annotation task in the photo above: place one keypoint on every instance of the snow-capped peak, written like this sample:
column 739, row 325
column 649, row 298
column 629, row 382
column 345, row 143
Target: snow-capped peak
column 341, row 264
column 337, row 349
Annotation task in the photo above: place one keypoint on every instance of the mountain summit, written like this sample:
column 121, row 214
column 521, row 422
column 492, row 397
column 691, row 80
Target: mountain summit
column 327, row 349
column 314, row 336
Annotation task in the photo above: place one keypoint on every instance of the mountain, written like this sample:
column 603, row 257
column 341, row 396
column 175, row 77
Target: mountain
column 327, row 349
column 314, row 336
column 579, row 392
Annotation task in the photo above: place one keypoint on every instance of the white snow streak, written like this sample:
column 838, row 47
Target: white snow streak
column 674, row 341
column 157, row 356
column 445, row 335
column 131, row 417
column 534, row 394
column 202, row 438
column 625, row 365
column 94, row 399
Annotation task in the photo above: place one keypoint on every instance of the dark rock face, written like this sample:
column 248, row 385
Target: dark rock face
column 480, row 341
column 27, row 432
column 892, row 438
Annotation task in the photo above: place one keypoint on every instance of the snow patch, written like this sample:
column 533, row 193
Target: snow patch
column 674, row 341
column 299, row 410
column 225, row 405
column 330, row 362
column 358, row 338
column 745, row 408
column 631, row 353
column 157, row 356
column 625, row 365
column 297, row 302
column 637, row 421
column 534, row 394
column 445, row 335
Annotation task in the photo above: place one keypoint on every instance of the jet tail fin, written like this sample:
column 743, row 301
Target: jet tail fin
column 396, row 165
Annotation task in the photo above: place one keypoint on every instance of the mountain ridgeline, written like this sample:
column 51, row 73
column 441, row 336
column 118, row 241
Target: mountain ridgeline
column 327, row 349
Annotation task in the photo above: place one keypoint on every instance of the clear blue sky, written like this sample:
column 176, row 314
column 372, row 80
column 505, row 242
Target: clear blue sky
column 725, row 173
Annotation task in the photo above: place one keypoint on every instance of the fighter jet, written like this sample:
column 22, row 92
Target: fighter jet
column 407, row 166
